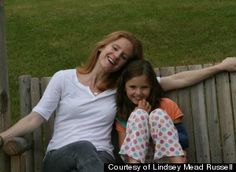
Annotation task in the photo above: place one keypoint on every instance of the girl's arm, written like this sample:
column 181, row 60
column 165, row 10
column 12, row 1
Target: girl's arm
column 24, row 126
column 178, row 120
column 188, row 78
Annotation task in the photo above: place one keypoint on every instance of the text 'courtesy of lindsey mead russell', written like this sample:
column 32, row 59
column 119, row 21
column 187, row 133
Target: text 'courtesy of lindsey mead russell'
column 170, row 167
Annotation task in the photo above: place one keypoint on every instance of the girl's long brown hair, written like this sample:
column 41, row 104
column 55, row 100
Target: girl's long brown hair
column 134, row 69
column 112, row 79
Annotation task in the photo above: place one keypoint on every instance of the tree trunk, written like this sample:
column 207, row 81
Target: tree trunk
column 4, row 91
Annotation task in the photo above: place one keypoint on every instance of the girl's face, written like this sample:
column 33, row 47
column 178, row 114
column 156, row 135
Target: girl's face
column 138, row 88
column 115, row 54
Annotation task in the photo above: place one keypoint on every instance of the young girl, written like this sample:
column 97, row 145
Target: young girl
column 143, row 113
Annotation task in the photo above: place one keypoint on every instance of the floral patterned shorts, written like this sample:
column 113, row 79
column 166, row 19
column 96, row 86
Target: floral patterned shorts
column 143, row 127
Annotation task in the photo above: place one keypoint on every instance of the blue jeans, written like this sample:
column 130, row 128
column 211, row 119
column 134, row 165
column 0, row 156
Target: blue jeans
column 80, row 156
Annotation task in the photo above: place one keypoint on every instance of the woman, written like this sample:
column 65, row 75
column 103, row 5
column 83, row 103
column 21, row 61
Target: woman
column 77, row 96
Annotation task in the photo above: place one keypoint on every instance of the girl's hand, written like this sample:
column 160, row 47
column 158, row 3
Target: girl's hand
column 143, row 104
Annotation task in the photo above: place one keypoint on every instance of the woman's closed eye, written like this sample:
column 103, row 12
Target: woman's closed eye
column 124, row 57
column 115, row 48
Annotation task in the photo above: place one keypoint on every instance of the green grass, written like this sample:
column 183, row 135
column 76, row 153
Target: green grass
column 45, row 36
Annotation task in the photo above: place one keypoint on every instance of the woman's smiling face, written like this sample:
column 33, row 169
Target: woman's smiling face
column 115, row 54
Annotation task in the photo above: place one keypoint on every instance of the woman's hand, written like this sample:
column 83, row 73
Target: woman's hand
column 143, row 104
column 228, row 64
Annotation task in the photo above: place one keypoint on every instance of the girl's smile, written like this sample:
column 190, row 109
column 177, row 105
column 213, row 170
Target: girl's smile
column 138, row 88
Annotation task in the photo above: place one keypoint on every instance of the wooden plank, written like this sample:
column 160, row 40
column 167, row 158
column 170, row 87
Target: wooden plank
column 16, row 164
column 199, row 121
column 226, row 117
column 25, row 109
column 25, row 99
column 157, row 71
column 38, row 152
column 233, row 96
column 165, row 71
column 26, row 158
column 213, row 120
column 184, row 102
column 48, row 126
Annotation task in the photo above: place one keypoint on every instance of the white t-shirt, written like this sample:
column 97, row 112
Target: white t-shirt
column 80, row 115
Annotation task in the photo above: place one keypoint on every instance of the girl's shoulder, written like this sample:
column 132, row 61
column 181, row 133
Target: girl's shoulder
column 168, row 104
column 166, row 100
column 171, row 108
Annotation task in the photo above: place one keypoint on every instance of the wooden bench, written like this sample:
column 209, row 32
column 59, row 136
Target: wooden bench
column 210, row 119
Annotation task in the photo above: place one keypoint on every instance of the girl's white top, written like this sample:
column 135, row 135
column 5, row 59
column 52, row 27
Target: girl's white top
column 80, row 115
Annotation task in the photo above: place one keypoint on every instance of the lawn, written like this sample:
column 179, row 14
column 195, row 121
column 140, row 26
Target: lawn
column 44, row 36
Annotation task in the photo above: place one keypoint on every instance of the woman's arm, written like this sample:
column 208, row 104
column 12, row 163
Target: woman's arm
column 188, row 78
column 24, row 126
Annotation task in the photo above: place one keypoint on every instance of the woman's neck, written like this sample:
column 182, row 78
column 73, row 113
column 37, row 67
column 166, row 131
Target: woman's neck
column 93, row 80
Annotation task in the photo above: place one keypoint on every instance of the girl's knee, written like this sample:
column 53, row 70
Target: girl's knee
column 159, row 118
column 139, row 115
column 159, row 114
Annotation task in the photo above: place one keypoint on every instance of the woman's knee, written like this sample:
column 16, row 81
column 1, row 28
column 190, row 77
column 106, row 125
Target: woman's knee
column 65, row 158
column 75, row 148
column 83, row 146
